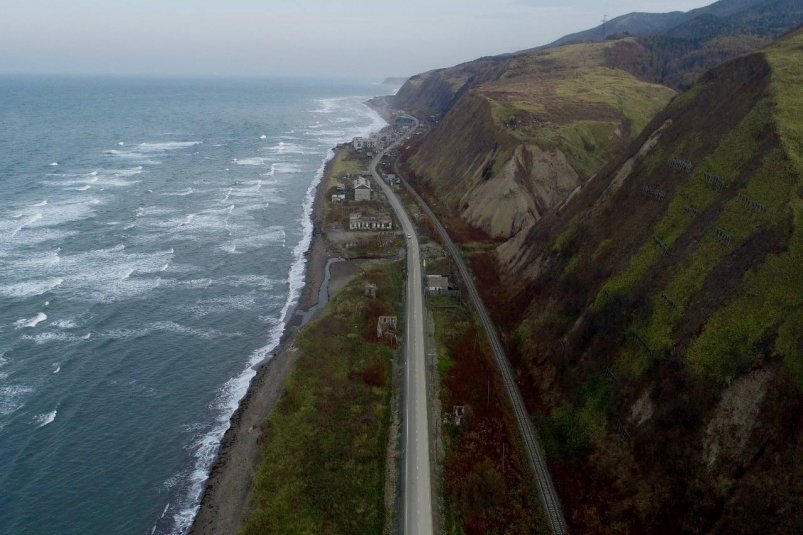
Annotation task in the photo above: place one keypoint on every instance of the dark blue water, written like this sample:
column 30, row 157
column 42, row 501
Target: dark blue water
column 151, row 242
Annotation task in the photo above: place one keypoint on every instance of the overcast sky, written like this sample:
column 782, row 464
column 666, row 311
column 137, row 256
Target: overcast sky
column 366, row 38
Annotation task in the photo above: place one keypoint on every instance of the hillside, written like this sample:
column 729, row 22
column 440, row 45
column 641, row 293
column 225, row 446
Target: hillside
column 676, row 48
column 656, row 320
column 517, row 145
column 768, row 18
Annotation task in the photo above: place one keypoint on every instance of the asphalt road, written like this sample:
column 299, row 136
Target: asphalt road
column 543, row 480
column 416, row 485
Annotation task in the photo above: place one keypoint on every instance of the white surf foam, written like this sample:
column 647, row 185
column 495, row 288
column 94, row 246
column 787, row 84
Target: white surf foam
column 55, row 336
column 205, row 448
column 42, row 420
column 255, row 160
column 13, row 398
column 31, row 287
column 39, row 204
column 229, row 396
column 263, row 136
column 30, row 322
column 182, row 193
column 53, row 164
column 168, row 326
column 65, row 324
column 285, row 147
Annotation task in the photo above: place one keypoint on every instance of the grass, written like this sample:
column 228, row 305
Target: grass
column 346, row 162
column 727, row 161
column 784, row 57
column 323, row 459
column 763, row 317
column 487, row 487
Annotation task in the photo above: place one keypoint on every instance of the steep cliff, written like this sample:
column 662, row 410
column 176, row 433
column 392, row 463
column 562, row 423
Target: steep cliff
column 656, row 319
column 511, row 148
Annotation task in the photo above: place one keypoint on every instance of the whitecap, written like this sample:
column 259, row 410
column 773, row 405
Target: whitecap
column 56, row 368
column 30, row 288
column 30, row 322
column 256, row 160
column 183, row 193
column 13, row 397
column 54, row 336
column 53, row 164
column 168, row 326
column 263, row 136
column 39, row 204
column 205, row 449
column 42, row 420
column 167, row 145
column 65, row 324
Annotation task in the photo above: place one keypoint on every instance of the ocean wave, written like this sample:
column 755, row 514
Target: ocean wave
column 328, row 105
column 286, row 147
column 65, row 324
column 182, row 193
column 284, row 168
column 255, row 160
column 30, row 322
column 55, row 336
column 205, row 448
column 30, row 288
column 168, row 326
column 100, row 275
column 221, row 305
column 13, row 398
column 167, row 146
column 42, row 420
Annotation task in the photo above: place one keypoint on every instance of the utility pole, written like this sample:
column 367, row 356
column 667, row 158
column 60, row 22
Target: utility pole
column 604, row 26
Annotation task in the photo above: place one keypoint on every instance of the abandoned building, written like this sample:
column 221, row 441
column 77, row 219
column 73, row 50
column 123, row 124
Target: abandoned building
column 437, row 284
column 357, row 221
column 362, row 189
column 386, row 324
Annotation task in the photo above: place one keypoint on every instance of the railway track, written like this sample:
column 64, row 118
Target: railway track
column 546, row 489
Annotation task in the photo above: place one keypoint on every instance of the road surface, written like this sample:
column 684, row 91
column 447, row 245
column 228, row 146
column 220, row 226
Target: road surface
column 416, row 487
column 543, row 480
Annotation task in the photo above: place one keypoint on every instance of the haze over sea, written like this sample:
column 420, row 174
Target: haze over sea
column 151, row 246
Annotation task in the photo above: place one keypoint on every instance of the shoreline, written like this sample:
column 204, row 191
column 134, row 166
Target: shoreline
column 224, row 500
column 223, row 505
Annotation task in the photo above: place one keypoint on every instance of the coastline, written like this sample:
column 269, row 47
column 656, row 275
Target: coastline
column 224, row 501
column 224, row 505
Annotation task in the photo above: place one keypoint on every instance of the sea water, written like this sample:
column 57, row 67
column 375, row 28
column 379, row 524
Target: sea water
column 151, row 248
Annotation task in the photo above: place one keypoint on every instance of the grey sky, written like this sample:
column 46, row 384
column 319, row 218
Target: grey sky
column 369, row 38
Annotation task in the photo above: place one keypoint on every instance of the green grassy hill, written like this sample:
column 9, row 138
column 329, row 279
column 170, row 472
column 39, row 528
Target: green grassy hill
column 656, row 320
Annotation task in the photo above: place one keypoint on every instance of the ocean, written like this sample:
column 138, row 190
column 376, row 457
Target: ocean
column 152, row 234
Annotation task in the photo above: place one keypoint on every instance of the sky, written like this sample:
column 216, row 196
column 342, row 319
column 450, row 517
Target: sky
column 349, row 38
